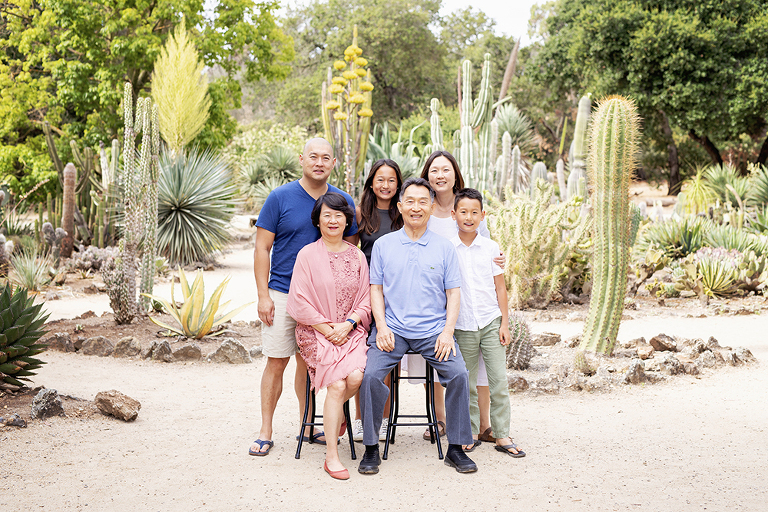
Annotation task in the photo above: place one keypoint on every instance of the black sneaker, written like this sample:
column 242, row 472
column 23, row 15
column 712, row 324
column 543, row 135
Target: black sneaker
column 459, row 460
column 371, row 460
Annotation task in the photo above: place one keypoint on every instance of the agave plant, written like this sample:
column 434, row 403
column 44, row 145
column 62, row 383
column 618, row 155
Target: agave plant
column 20, row 329
column 29, row 270
column 196, row 201
column 258, row 193
column 698, row 193
column 758, row 186
column 677, row 238
column 759, row 221
column 719, row 270
column 728, row 237
column 195, row 319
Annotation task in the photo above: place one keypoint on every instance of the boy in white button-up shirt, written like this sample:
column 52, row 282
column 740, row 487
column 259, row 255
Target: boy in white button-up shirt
column 483, row 324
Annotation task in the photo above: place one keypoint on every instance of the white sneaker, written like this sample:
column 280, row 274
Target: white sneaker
column 383, row 429
column 357, row 431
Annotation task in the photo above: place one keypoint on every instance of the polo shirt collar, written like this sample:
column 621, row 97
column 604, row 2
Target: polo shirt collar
column 405, row 239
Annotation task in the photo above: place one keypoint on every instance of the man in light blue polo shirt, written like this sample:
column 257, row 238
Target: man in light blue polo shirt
column 415, row 280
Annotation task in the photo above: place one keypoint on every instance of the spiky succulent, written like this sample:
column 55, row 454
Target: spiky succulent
column 20, row 329
column 519, row 351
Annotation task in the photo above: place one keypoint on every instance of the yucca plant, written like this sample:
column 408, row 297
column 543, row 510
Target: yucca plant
column 20, row 329
column 720, row 176
column 719, row 270
column 698, row 193
column 517, row 124
column 196, row 201
column 30, row 270
column 195, row 319
column 758, row 186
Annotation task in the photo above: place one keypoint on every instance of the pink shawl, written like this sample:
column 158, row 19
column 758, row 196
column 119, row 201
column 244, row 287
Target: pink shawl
column 312, row 300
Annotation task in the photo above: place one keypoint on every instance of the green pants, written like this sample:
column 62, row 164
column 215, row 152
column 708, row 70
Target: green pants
column 486, row 341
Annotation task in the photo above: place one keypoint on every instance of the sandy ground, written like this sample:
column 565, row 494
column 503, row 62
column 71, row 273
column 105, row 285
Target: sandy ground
column 688, row 444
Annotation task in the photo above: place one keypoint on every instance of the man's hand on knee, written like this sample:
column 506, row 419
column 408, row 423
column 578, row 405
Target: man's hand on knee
column 385, row 339
column 444, row 346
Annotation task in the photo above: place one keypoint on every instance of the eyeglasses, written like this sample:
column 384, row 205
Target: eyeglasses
column 424, row 203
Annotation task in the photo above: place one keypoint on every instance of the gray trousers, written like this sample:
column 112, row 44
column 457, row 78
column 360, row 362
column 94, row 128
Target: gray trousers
column 452, row 373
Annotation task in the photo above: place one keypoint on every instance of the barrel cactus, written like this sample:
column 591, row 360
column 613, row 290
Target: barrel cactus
column 519, row 351
column 20, row 330
column 613, row 143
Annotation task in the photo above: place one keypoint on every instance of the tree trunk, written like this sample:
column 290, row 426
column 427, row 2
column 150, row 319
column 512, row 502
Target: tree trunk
column 708, row 146
column 674, row 162
column 763, row 156
column 510, row 71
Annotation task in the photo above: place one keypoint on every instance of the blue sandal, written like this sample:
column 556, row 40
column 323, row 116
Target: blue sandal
column 261, row 444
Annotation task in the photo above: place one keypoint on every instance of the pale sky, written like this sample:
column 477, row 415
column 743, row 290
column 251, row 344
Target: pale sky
column 511, row 16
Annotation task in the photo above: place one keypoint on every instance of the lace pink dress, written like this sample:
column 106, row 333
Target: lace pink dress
column 345, row 267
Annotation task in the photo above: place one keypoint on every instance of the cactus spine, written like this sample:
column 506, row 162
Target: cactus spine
column 613, row 142
column 68, row 211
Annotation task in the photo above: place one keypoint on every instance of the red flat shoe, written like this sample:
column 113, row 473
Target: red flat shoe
column 338, row 475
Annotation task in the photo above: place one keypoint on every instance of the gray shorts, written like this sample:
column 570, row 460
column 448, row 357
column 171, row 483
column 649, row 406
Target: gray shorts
column 279, row 339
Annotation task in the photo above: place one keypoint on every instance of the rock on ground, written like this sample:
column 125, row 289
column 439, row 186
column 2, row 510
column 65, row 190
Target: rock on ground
column 162, row 352
column 670, row 365
column 188, row 352
column 545, row 339
column 256, row 352
column 115, row 403
column 60, row 341
column 635, row 374
column 47, row 404
column 97, row 346
column 516, row 383
column 230, row 351
column 127, row 347
column 663, row 343
column 14, row 420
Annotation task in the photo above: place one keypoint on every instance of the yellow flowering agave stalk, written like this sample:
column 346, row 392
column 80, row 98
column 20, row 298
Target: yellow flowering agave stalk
column 195, row 319
column 346, row 113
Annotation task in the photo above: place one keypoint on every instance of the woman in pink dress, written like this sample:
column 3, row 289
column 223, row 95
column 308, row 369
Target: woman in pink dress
column 330, row 300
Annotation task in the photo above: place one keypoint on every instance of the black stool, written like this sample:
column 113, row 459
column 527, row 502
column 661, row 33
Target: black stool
column 394, row 409
column 309, row 397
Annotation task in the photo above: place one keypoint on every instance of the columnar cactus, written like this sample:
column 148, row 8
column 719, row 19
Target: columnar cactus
column 514, row 177
column 475, row 155
column 68, row 210
column 436, row 132
column 577, row 162
column 560, row 168
column 503, row 164
column 539, row 172
column 467, row 134
column 139, row 183
column 613, row 142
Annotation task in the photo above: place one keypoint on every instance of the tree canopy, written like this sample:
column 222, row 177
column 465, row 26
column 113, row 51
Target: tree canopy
column 65, row 61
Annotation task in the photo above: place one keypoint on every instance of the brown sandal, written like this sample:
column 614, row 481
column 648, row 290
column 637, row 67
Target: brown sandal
column 440, row 431
column 486, row 436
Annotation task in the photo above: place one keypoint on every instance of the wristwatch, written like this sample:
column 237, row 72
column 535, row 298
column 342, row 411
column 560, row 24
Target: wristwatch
column 354, row 324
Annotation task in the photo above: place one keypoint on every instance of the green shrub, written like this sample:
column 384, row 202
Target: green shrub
column 196, row 201
column 246, row 147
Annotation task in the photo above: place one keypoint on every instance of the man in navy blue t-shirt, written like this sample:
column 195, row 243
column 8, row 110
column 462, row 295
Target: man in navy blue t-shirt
column 284, row 227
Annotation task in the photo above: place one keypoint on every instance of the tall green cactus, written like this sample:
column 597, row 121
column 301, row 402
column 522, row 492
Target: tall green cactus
column 467, row 134
column 613, row 144
column 436, row 132
column 578, row 163
column 475, row 155
column 503, row 164
column 560, row 170
column 539, row 172
column 139, row 181
column 68, row 211
column 515, row 170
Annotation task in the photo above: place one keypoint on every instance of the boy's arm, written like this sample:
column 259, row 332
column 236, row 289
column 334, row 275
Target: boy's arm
column 501, row 296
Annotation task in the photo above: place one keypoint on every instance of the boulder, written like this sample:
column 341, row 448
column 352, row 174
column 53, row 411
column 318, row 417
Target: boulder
column 230, row 351
column 188, row 352
column 690, row 353
column 256, row 352
column 572, row 341
column 516, row 383
column 690, row 369
column 712, row 343
column 47, row 404
column 670, row 365
column 545, row 339
column 60, row 341
column 744, row 355
column 663, row 343
column 147, row 352
column 635, row 374
column 596, row 383
column 731, row 359
column 547, row 384
column 114, row 403
column 632, row 343
column 14, row 420
column 60, row 278
column 97, row 346
column 79, row 342
column 644, row 351
column 91, row 289
column 127, row 347
column 706, row 360
column 162, row 352
column 559, row 370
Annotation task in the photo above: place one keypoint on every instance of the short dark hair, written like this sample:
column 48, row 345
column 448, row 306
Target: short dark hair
column 334, row 201
column 421, row 182
column 458, row 183
column 467, row 193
